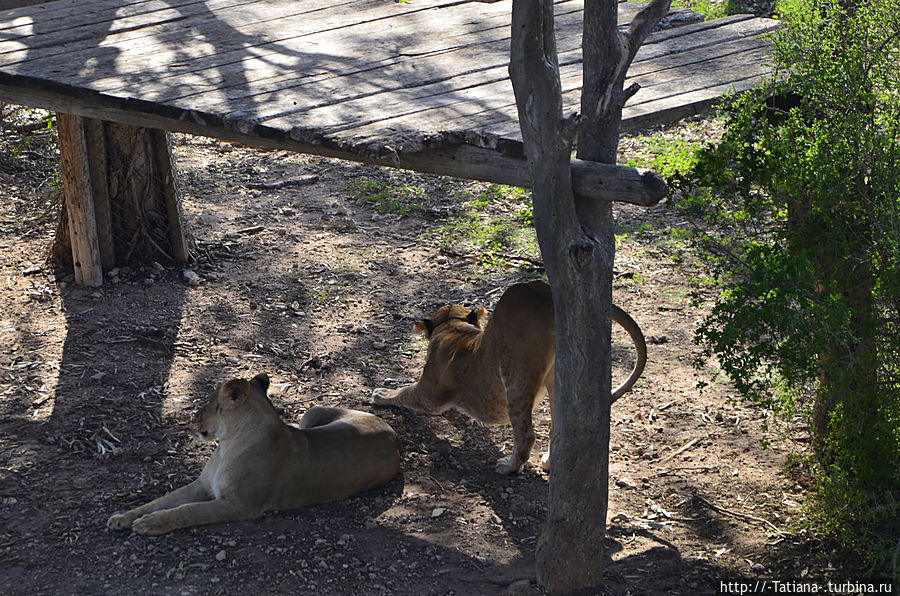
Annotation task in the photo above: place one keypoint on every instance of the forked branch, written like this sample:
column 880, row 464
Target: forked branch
column 643, row 25
column 608, row 53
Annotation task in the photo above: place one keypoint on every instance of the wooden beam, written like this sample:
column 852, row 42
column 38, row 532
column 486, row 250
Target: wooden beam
column 95, row 141
column 79, row 200
column 161, row 145
column 452, row 158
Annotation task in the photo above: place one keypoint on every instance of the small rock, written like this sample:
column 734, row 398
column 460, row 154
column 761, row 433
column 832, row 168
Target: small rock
column 220, row 556
column 624, row 482
column 438, row 511
column 191, row 277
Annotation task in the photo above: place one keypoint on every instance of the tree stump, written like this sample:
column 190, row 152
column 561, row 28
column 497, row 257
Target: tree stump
column 120, row 203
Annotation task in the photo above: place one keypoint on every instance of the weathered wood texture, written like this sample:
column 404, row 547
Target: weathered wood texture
column 76, row 181
column 121, row 199
column 371, row 80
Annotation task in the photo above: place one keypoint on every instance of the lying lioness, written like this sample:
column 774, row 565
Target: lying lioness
column 497, row 373
column 262, row 464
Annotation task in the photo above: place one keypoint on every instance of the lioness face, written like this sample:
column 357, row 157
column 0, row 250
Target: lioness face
column 213, row 420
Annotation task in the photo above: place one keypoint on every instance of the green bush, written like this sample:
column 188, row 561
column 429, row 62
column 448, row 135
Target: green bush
column 802, row 206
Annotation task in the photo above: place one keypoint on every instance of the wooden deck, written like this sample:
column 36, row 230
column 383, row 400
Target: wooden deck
column 421, row 85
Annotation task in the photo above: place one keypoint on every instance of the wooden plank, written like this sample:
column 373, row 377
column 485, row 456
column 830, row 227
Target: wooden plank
column 60, row 24
column 158, row 66
column 235, row 22
column 109, row 29
column 217, row 98
column 470, row 52
column 673, row 82
column 668, row 109
column 370, row 80
column 7, row 4
column 161, row 143
column 79, row 200
column 56, row 13
column 410, row 99
column 454, row 159
column 671, row 74
column 95, row 147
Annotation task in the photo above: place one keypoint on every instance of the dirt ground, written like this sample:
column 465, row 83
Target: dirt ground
column 319, row 290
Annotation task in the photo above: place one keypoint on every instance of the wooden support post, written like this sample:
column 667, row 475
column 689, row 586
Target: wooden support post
column 121, row 202
column 96, row 155
column 161, row 143
column 79, row 199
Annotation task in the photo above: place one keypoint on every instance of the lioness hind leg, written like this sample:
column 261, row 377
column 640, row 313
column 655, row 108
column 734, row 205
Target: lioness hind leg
column 550, row 385
column 520, row 403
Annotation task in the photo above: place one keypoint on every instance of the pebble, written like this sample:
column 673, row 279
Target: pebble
column 191, row 277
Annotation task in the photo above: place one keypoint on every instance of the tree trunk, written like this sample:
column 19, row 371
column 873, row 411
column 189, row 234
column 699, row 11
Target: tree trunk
column 577, row 243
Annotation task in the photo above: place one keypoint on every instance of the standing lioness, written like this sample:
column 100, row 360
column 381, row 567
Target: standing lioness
column 497, row 373
column 262, row 464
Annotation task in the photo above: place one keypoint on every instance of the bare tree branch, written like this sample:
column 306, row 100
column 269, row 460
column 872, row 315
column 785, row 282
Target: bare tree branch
column 546, row 134
column 643, row 25
column 598, row 44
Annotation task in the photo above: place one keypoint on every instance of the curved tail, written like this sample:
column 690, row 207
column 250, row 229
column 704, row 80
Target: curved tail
column 640, row 345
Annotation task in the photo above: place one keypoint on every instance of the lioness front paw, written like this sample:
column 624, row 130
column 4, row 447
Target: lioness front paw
column 385, row 397
column 150, row 525
column 120, row 521
column 508, row 465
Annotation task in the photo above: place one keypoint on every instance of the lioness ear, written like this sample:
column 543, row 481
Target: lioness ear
column 233, row 393
column 425, row 327
column 477, row 317
column 261, row 381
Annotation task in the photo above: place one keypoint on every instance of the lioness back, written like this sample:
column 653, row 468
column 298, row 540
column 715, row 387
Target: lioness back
column 337, row 472
column 523, row 318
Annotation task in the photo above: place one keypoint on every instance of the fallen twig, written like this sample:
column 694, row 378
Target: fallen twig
column 739, row 515
column 680, row 450
column 24, row 129
column 537, row 263
column 301, row 181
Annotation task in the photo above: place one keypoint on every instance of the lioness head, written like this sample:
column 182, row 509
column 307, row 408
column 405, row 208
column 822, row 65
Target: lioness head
column 451, row 312
column 225, row 405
